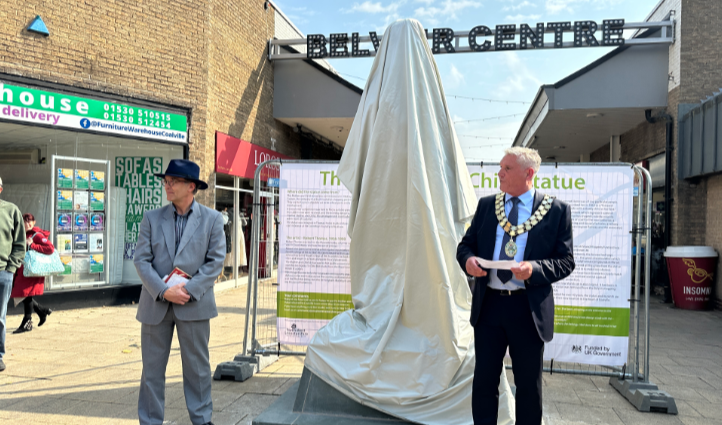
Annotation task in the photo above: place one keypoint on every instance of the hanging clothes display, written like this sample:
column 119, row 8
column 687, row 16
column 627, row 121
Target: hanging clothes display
column 228, row 232
column 241, row 222
column 241, row 251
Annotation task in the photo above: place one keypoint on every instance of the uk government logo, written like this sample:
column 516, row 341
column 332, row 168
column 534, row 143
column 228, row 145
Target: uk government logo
column 595, row 350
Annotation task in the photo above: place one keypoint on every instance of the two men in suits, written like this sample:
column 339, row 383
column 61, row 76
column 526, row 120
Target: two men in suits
column 189, row 236
column 515, row 308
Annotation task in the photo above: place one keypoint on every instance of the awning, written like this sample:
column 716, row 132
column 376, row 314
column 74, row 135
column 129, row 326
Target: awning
column 580, row 113
column 318, row 99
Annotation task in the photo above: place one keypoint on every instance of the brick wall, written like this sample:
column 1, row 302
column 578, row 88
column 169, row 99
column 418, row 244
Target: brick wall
column 701, row 56
column 700, row 200
column 642, row 142
column 600, row 155
column 240, row 78
column 208, row 57
column 700, row 75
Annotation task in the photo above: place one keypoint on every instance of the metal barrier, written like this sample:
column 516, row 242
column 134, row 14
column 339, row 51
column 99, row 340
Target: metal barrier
column 262, row 288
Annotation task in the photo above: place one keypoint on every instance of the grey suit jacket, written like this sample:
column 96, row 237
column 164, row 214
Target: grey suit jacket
column 200, row 253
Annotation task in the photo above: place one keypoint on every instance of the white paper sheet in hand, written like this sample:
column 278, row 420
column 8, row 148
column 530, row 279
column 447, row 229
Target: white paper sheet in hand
column 175, row 279
column 499, row 265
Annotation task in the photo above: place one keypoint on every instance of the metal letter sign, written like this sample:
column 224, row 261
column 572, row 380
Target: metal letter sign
column 483, row 39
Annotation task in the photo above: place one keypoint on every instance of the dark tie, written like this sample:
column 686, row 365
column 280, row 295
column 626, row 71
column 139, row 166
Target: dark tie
column 505, row 275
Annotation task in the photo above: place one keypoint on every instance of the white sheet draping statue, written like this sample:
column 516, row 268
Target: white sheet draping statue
column 407, row 349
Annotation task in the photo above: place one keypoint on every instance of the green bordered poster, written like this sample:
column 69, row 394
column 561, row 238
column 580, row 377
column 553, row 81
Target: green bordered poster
column 97, row 201
column 67, row 261
column 82, row 179
column 97, row 180
column 313, row 269
column 65, row 178
column 65, row 200
column 96, row 263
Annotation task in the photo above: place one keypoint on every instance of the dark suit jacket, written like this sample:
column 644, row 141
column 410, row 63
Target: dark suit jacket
column 548, row 249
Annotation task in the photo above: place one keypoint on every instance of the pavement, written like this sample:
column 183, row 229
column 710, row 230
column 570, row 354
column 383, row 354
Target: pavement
column 83, row 367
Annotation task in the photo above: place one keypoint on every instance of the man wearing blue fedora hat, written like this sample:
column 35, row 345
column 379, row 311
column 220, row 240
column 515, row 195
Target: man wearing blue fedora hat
column 189, row 236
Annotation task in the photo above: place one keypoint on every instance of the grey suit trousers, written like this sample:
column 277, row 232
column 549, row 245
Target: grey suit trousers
column 156, row 341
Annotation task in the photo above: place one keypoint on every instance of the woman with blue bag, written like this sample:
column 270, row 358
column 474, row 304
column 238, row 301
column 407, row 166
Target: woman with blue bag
column 29, row 287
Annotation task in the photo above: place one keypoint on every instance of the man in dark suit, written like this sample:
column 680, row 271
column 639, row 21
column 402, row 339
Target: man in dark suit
column 515, row 308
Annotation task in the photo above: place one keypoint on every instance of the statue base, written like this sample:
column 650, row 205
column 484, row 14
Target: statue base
column 313, row 401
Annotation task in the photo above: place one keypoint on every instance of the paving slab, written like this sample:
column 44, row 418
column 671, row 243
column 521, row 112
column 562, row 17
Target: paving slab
column 588, row 414
column 83, row 367
column 634, row 417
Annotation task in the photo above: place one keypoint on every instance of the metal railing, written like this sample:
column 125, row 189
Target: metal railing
column 262, row 289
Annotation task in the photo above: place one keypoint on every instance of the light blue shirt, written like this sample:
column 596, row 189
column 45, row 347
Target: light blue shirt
column 526, row 203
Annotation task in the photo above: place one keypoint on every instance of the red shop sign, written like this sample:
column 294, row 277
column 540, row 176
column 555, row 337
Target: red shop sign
column 241, row 158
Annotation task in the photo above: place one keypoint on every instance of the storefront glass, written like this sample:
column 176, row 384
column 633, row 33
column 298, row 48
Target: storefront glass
column 233, row 202
column 236, row 164
column 89, row 188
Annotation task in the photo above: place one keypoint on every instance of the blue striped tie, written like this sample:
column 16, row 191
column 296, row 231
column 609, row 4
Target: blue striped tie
column 505, row 275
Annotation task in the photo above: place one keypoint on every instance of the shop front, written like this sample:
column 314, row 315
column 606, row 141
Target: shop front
column 83, row 165
column 236, row 164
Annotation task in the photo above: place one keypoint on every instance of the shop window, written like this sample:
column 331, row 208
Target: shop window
column 90, row 191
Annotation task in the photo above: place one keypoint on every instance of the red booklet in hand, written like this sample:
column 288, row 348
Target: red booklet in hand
column 176, row 276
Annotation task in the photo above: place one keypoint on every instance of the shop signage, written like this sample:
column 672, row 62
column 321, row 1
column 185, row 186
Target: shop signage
column 241, row 158
column 482, row 38
column 22, row 104
column 143, row 193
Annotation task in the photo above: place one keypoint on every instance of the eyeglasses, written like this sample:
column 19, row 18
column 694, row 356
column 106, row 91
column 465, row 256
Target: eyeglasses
column 172, row 183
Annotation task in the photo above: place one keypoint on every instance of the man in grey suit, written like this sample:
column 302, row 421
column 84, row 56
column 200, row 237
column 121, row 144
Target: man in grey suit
column 189, row 236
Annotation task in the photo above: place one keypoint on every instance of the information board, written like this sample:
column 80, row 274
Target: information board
column 592, row 307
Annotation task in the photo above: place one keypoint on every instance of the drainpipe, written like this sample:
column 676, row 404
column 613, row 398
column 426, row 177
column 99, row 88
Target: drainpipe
column 667, row 182
column 667, row 171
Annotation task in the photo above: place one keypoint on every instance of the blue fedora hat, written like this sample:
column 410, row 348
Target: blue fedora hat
column 184, row 169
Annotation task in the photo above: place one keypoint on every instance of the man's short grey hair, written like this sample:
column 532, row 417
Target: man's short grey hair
column 526, row 157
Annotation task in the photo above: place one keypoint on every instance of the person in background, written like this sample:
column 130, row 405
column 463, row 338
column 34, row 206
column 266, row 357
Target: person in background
column 12, row 253
column 29, row 287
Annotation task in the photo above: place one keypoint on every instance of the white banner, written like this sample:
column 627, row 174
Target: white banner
column 592, row 307
column 314, row 282
column 591, row 323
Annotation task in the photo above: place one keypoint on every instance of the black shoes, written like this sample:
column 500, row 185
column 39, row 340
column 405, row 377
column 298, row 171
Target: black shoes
column 25, row 326
column 2, row 365
column 43, row 315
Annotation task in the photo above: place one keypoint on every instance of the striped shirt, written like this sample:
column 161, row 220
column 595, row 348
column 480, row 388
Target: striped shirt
column 180, row 223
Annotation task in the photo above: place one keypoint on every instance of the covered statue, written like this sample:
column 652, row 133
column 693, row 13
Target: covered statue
column 407, row 348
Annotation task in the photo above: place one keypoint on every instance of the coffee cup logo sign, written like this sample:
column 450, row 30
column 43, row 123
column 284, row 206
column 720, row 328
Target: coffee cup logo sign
column 697, row 275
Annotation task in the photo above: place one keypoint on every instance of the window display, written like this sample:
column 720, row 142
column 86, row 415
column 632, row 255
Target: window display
column 92, row 191
column 83, row 166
